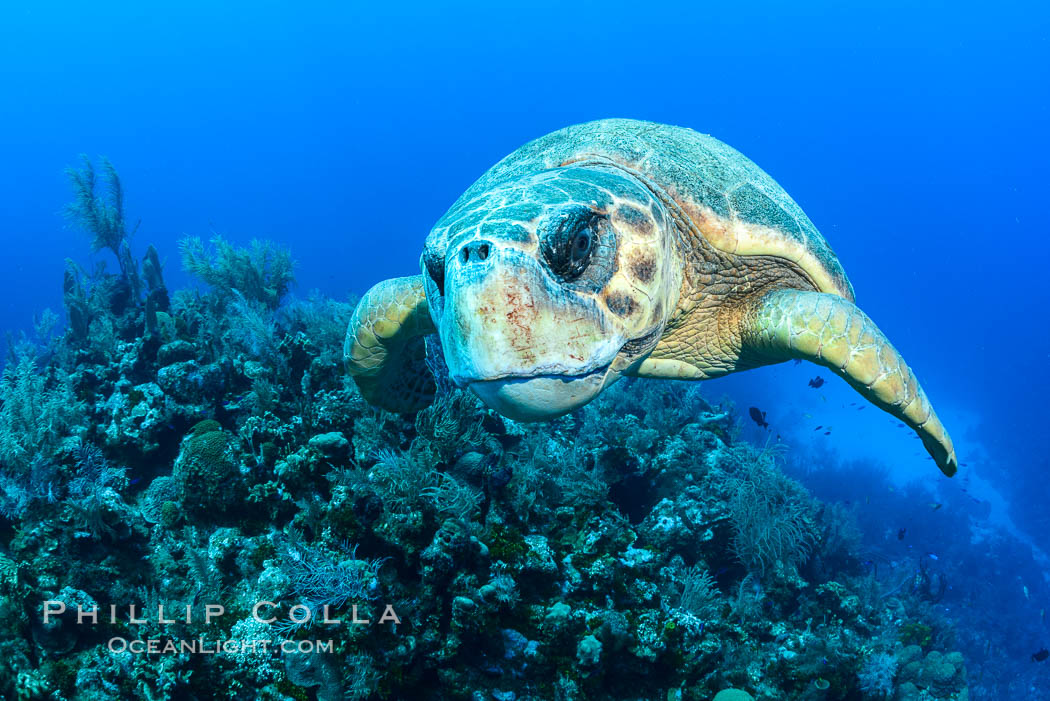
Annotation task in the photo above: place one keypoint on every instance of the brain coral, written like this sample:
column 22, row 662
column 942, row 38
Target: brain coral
column 206, row 477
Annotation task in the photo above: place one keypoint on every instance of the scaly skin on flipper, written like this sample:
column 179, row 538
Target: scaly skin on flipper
column 384, row 350
column 828, row 330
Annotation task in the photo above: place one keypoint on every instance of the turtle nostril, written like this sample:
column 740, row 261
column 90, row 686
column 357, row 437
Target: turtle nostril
column 474, row 252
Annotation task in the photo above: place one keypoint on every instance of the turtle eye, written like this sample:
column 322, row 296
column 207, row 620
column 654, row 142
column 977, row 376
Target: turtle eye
column 570, row 240
column 435, row 266
column 581, row 245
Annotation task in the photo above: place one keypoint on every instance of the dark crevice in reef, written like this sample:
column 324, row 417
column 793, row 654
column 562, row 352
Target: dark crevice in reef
column 633, row 496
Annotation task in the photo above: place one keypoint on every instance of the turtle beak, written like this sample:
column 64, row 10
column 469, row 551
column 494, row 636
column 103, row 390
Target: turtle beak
column 527, row 346
column 541, row 398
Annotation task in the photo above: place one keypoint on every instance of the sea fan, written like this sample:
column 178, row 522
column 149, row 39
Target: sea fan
column 876, row 676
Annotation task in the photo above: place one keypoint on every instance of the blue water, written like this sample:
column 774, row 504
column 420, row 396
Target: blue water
column 915, row 139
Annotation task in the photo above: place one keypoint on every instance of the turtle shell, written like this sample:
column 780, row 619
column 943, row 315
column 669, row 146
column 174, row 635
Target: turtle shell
column 723, row 196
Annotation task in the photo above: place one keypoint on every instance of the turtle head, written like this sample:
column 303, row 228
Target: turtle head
column 546, row 289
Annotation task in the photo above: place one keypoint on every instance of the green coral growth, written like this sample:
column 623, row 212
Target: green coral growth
column 261, row 273
column 914, row 633
column 38, row 410
column 101, row 214
column 772, row 519
column 206, row 478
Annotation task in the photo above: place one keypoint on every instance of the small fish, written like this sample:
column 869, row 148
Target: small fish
column 901, row 426
column 827, row 433
column 1024, row 587
column 816, row 382
column 932, row 556
column 901, row 533
column 818, row 428
column 935, row 505
column 1041, row 655
column 861, row 408
column 758, row 416
column 824, row 660
column 807, row 416
column 798, row 361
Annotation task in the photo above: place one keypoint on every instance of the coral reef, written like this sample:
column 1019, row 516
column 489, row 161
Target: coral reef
column 209, row 452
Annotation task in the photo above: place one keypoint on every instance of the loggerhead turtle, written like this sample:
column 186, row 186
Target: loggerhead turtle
column 621, row 247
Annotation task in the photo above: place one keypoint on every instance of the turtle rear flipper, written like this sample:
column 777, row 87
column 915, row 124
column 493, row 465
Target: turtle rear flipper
column 384, row 349
column 829, row 330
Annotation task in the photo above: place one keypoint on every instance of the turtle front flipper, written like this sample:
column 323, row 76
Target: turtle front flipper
column 831, row 331
column 384, row 349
